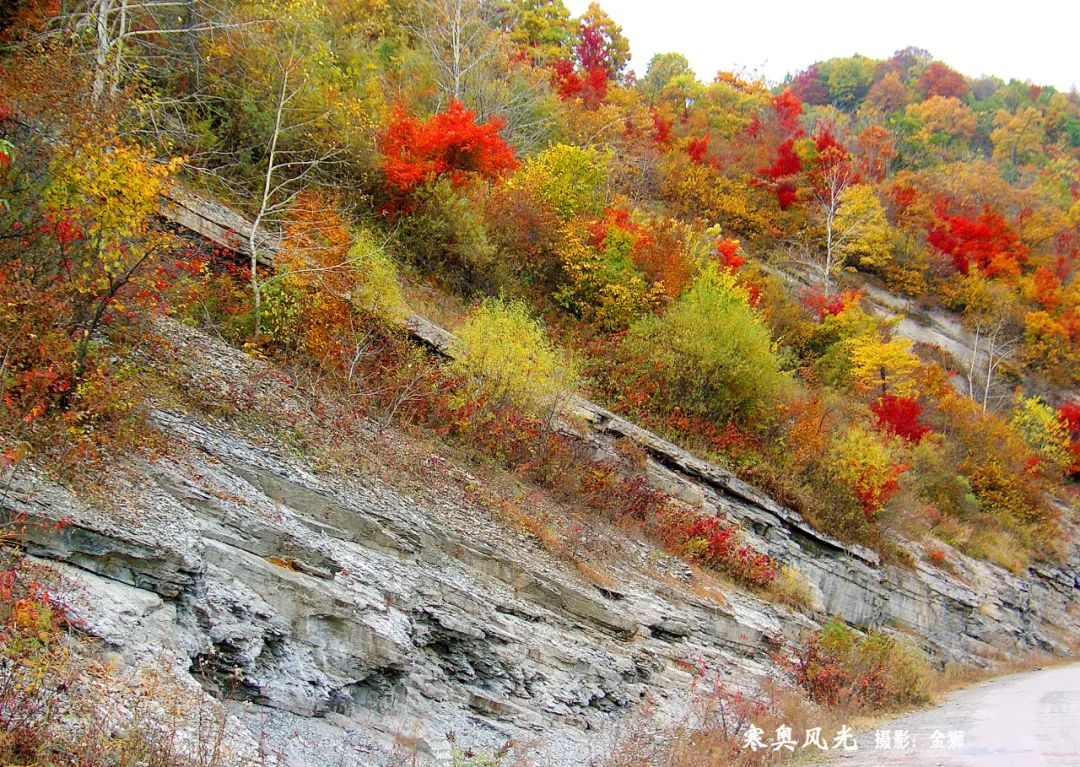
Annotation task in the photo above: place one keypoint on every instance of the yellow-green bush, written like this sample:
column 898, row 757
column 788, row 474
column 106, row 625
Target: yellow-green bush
column 570, row 179
column 507, row 358
column 710, row 354
column 377, row 290
column 1038, row 425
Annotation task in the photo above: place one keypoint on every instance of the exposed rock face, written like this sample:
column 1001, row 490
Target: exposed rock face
column 346, row 612
column 337, row 610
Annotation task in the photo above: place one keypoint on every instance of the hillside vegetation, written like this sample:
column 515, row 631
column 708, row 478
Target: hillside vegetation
column 699, row 248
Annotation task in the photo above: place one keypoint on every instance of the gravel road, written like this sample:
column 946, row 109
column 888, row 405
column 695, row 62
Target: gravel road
column 1023, row 720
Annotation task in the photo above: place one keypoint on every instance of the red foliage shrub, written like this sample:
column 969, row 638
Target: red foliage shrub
column 589, row 85
column 782, row 172
column 821, row 673
column 903, row 195
column 32, row 625
column 873, row 496
column 832, row 166
column 1069, row 415
column 815, row 301
column 661, row 130
column 788, row 109
column 448, row 144
column 698, row 149
column 660, row 253
column 727, row 439
column 1047, row 286
column 984, row 241
column 565, row 81
column 589, row 80
column 786, row 195
column 718, row 545
column 900, row 415
column 727, row 251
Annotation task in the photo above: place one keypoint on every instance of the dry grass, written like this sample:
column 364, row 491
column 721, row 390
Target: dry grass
column 595, row 576
column 702, row 584
column 791, row 588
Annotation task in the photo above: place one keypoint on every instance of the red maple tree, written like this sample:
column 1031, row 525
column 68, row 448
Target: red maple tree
column 1069, row 416
column 900, row 415
column 589, row 80
column 984, row 241
column 940, row 80
column 788, row 110
column 698, row 149
column 782, row 173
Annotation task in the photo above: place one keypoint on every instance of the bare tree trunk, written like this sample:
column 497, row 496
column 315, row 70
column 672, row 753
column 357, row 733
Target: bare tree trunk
column 104, row 44
column 974, row 359
column 830, row 216
column 119, row 46
column 264, row 203
column 456, row 49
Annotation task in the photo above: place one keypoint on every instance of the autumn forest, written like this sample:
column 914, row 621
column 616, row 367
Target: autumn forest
column 734, row 264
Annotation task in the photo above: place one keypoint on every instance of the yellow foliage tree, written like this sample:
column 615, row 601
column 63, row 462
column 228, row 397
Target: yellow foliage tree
column 943, row 116
column 863, row 462
column 568, row 178
column 701, row 191
column 105, row 193
column 863, row 230
column 1019, row 137
column 886, row 366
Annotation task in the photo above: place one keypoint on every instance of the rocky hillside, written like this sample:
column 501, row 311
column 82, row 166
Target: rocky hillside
column 360, row 610
column 515, row 408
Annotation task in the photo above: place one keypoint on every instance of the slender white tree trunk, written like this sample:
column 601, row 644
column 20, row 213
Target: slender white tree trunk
column 104, row 44
column 264, row 204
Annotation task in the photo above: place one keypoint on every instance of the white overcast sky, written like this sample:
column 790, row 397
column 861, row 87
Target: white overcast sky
column 1037, row 40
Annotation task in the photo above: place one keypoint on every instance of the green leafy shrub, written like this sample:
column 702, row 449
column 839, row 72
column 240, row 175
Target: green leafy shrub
column 710, row 354
column 445, row 234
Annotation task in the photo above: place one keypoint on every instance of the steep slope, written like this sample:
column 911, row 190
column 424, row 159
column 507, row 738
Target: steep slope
column 375, row 607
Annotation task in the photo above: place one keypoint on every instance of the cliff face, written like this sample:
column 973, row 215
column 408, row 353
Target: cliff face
column 330, row 606
column 334, row 607
column 377, row 606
